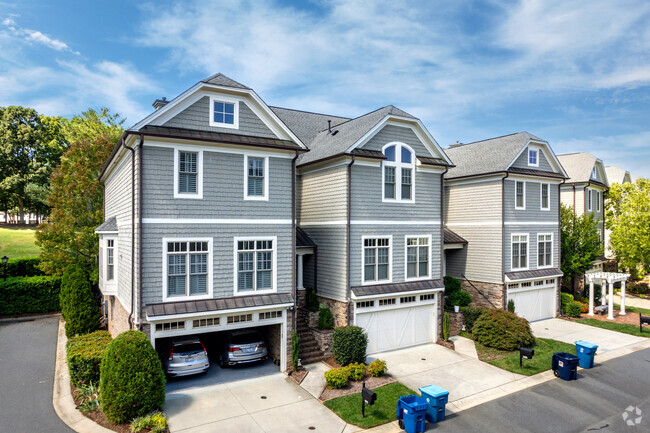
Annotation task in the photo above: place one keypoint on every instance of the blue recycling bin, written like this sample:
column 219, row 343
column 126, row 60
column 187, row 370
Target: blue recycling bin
column 565, row 365
column 437, row 398
column 586, row 352
column 411, row 411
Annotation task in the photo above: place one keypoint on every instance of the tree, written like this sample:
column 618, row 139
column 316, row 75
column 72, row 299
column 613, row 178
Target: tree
column 581, row 243
column 92, row 124
column 627, row 213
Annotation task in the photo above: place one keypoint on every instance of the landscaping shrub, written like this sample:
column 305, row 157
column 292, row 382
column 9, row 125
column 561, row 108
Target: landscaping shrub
column 451, row 285
column 312, row 299
column 584, row 308
column 349, row 344
column 637, row 288
column 502, row 330
column 337, row 377
column 84, row 354
column 325, row 318
column 470, row 314
column 154, row 422
column 356, row 371
column 24, row 295
column 511, row 305
column 78, row 306
column 132, row 382
column 23, row 267
column 445, row 326
column 570, row 307
column 88, row 394
column 377, row 368
column 459, row 297
column 295, row 350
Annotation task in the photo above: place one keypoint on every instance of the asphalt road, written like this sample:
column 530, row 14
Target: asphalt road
column 27, row 354
column 593, row 403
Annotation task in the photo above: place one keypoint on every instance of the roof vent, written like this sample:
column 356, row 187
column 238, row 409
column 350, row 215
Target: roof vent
column 159, row 103
column 456, row 144
column 329, row 128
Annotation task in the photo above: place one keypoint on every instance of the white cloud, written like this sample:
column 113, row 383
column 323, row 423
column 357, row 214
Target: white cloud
column 36, row 36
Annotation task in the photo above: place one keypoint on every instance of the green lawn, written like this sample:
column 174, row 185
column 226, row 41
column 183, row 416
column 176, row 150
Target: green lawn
column 618, row 327
column 637, row 310
column 544, row 350
column 348, row 407
column 17, row 242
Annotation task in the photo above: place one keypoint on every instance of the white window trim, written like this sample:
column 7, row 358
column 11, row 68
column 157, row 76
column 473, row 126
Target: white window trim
column 228, row 100
column 199, row 169
column 541, row 200
column 598, row 201
column 537, row 151
column 208, row 295
column 390, row 260
column 398, row 173
column 109, row 285
column 406, row 238
column 589, row 198
column 274, row 258
column 265, row 196
column 524, row 206
column 512, row 235
column 552, row 249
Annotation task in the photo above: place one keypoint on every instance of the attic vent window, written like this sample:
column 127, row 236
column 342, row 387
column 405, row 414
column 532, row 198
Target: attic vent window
column 533, row 158
column 224, row 113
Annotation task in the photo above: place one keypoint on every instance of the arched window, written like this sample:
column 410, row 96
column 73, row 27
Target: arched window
column 398, row 172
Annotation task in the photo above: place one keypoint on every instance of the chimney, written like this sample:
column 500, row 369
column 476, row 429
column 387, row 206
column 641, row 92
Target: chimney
column 159, row 103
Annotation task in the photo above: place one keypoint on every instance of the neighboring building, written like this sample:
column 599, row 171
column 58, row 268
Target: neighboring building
column 369, row 196
column 502, row 197
column 585, row 189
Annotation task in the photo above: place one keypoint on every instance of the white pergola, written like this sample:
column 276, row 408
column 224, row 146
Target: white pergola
column 610, row 278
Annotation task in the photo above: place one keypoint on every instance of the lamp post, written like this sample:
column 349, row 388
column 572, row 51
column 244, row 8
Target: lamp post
column 5, row 259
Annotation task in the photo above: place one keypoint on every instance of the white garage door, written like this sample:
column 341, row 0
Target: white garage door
column 397, row 328
column 534, row 304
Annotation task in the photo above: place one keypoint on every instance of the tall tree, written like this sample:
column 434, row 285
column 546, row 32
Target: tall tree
column 92, row 124
column 581, row 243
column 627, row 213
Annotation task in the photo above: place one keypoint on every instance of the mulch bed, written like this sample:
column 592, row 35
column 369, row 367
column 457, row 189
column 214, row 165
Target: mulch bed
column 298, row 375
column 447, row 344
column 331, row 363
column 354, row 387
column 629, row 318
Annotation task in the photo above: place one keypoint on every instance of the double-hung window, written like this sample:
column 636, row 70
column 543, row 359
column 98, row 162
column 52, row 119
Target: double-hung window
column 417, row 257
column 188, row 268
column 533, row 157
column 256, row 178
column 188, row 176
column 398, row 173
column 544, row 250
column 520, row 194
column 255, row 267
column 110, row 259
column 544, row 193
column 376, row 259
column 224, row 113
column 519, row 251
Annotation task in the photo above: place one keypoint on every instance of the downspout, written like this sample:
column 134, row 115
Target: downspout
column 503, row 234
column 574, row 198
column 559, row 239
column 293, row 241
column 349, row 260
column 442, row 220
column 140, row 152
column 132, row 231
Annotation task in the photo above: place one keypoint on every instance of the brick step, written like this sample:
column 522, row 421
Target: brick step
column 312, row 359
column 309, row 345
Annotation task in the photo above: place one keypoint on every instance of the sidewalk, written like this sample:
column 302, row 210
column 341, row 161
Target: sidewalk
column 633, row 301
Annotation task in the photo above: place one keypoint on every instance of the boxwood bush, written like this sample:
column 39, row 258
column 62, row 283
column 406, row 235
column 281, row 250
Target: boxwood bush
column 84, row 354
column 23, row 267
column 349, row 344
column 451, row 284
column 337, row 377
column 132, row 381
column 23, row 295
column 78, row 306
column 459, row 297
column 325, row 318
column 502, row 330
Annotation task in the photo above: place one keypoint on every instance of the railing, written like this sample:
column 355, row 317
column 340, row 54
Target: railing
column 479, row 291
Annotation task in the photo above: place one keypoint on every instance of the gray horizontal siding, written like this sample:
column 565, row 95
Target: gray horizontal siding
column 481, row 258
column 522, row 161
column 399, row 234
column 533, row 211
column 367, row 190
column 532, row 232
column 332, row 253
column 391, row 133
column 197, row 116
column 223, row 254
column 323, row 195
column 223, row 188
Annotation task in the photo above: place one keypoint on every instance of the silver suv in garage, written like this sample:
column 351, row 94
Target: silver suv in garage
column 243, row 346
column 185, row 357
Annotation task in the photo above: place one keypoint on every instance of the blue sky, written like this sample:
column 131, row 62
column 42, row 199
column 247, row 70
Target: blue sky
column 574, row 73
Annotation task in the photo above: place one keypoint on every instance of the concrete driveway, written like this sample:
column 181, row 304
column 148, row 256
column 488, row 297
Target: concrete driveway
column 272, row 403
column 569, row 332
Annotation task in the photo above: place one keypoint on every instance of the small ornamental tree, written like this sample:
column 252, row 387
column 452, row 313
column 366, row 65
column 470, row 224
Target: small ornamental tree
column 580, row 243
column 78, row 306
column 132, row 381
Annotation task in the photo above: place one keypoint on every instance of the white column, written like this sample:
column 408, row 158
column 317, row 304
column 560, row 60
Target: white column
column 610, row 309
column 622, row 312
column 603, row 291
column 591, row 297
column 300, row 272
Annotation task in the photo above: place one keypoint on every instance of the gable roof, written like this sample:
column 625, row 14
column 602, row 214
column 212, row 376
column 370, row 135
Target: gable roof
column 579, row 167
column 616, row 174
column 491, row 155
column 306, row 125
column 219, row 79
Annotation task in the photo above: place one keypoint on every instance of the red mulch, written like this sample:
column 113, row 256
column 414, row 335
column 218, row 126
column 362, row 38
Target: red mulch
column 629, row 318
column 331, row 363
column 299, row 375
column 355, row 386
column 447, row 344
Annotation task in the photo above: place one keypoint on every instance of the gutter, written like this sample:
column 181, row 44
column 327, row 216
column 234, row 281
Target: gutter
column 348, row 289
column 293, row 240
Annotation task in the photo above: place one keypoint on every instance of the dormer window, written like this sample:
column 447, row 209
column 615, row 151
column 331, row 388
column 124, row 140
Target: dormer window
column 594, row 173
column 224, row 113
column 533, row 157
column 398, row 169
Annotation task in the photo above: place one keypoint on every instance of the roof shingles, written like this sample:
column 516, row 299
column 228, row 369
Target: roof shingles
column 217, row 305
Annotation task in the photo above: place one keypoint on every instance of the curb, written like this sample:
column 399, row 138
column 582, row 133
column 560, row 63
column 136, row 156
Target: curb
column 62, row 397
